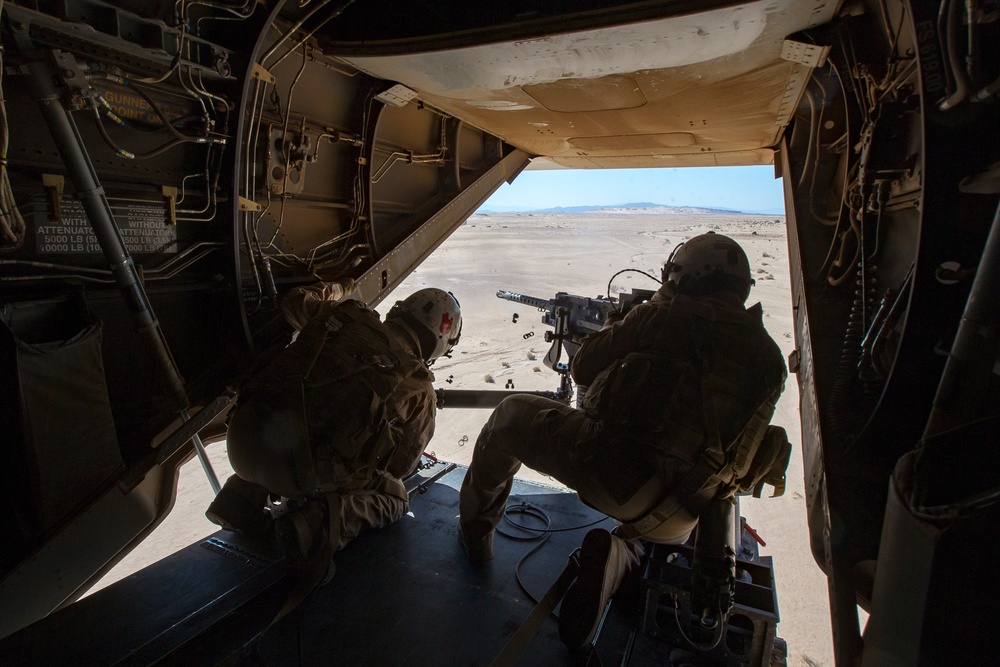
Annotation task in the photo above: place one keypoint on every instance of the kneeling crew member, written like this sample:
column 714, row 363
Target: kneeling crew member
column 359, row 458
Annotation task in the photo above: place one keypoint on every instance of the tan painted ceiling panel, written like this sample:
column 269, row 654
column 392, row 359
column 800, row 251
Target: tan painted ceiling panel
column 703, row 89
column 617, row 142
column 582, row 95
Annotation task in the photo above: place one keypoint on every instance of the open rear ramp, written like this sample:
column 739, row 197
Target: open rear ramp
column 405, row 596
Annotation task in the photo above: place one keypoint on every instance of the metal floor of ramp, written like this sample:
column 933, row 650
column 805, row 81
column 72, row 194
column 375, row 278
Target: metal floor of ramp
column 402, row 596
column 407, row 596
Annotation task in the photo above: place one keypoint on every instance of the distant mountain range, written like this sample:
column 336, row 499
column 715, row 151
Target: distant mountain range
column 637, row 207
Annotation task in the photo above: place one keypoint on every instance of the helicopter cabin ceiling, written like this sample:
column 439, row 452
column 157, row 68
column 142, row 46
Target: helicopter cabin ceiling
column 713, row 85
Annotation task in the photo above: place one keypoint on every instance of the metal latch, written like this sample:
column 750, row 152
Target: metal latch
column 810, row 55
column 54, row 186
column 170, row 194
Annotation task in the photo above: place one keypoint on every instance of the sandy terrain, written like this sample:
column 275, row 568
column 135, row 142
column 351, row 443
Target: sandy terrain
column 539, row 255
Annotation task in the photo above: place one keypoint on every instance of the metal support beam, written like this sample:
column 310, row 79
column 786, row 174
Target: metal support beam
column 389, row 271
column 206, row 463
column 71, row 148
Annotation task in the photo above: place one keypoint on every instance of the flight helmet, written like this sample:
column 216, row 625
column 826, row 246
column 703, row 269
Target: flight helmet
column 435, row 319
column 707, row 263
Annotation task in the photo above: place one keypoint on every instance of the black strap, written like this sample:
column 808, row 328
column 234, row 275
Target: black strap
column 526, row 632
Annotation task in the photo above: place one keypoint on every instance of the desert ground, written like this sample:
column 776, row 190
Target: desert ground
column 540, row 254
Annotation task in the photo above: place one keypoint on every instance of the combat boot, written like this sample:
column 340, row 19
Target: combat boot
column 239, row 507
column 604, row 562
column 478, row 544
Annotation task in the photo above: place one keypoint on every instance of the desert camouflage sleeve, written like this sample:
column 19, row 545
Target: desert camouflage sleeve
column 303, row 303
column 416, row 408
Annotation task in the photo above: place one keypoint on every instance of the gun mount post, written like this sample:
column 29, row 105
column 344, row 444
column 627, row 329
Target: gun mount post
column 558, row 338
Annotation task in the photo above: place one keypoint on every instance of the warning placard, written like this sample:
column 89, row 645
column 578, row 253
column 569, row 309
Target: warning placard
column 143, row 226
column 131, row 106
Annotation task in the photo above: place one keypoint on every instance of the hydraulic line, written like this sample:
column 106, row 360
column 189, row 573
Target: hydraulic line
column 963, row 393
column 71, row 148
column 954, row 63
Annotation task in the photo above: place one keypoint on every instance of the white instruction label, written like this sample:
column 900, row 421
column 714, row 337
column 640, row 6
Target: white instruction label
column 143, row 226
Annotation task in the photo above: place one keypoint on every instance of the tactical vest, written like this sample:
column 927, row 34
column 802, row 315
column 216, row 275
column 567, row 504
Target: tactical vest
column 702, row 394
column 316, row 417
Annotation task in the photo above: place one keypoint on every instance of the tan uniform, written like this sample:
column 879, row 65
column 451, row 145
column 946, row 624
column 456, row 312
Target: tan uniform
column 377, row 500
column 613, row 469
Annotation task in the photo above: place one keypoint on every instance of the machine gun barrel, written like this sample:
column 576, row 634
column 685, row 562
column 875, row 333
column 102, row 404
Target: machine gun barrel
column 543, row 304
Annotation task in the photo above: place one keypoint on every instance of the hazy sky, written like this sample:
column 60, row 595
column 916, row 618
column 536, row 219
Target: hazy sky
column 747, row 189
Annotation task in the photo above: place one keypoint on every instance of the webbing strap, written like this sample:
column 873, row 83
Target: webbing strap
column 751, row 438
column 680, row 497
column 367, row 480
column 522, row 637
column 311, row 576
column 311, row 572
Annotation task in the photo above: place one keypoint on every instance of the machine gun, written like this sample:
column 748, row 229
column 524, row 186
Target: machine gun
column 572, row 319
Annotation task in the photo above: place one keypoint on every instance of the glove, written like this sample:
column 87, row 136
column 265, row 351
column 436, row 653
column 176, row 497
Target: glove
column 612, row 317
column 348, row 286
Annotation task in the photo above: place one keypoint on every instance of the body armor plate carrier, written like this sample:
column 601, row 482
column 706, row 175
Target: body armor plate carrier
column 316, row 417
column 701, row 397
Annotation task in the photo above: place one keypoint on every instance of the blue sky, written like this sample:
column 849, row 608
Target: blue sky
column 746, row 189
